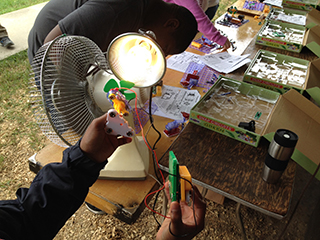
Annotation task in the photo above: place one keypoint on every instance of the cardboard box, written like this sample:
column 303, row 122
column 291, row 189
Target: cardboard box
column 291, row 111
column 301, row 4
column 307, row 19
column 272, row 34
column 296, row 113
column 313, row 18
column 274, row 71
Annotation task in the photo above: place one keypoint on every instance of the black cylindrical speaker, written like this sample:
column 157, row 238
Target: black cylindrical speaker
column 279, row 153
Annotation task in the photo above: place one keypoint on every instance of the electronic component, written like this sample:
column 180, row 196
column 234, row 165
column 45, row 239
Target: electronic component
column 174, row 186
column 175, row 127
column 195, row 44
column 250, row 126
column 191, row 80
column 179, row 179
column 118, row 101
column 185, row 182
column 117, row 125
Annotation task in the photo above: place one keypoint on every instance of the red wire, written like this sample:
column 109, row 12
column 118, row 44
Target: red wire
column 142, row 133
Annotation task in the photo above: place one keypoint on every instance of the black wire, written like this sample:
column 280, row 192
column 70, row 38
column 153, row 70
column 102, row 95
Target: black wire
column 153, row 148
column 153, row 154
column 158, row 139
column 155, row 171
column 154, row 205
column 155, row 164
column 193, row 210
column 151, row 121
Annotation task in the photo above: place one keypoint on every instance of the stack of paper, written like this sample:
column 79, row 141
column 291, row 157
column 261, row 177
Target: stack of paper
column 222, row 62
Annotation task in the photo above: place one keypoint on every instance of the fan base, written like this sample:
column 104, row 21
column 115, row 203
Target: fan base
column 128, row 162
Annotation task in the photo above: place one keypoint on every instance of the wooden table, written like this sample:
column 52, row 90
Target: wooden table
column 233, row 169
column 242, row 35
column 125, row 199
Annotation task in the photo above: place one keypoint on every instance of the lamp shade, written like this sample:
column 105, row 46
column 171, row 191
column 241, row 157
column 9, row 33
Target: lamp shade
column 136, row 58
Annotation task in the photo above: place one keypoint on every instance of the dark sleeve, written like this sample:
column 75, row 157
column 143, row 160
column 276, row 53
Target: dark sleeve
column 103, row 20
column 46, row 20
column 55, row 194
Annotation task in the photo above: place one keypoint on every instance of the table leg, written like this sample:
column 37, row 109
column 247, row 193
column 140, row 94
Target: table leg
column 238, row 214
column 204, row 192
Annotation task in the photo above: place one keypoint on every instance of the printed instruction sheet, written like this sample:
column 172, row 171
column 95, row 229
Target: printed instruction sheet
column 221, row 62
column 175, row 100
column 180, row 62
column 225, row 62
column 277, row 3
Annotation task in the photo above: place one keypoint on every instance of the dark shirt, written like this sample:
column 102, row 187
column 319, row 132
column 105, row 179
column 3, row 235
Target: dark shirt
column 99, row 20
column 55, row 194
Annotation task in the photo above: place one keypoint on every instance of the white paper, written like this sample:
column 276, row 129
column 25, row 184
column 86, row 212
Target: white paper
column 277, row 3
column 296, row 19
column 238, row 65
column 225, row 62
column 180, row 62
column 175, row 100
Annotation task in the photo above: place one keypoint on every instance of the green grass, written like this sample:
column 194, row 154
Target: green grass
column 5, row 184
column 1, row 162
column 13, row 77
column 13, row 5
column 14, row 101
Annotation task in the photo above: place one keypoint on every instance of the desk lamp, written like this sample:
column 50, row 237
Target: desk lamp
column 71, row 79
column 136, row 58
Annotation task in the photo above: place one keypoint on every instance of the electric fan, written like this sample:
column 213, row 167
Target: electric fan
column 59, row 91
column 69, row 81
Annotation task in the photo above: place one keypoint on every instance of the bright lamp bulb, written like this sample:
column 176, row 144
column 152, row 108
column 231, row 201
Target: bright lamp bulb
column 139, row 57
column 136, row 58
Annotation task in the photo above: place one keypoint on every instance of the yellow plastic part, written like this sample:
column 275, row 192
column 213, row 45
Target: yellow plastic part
column 158, row 92
column 119, row 105
column 184, row 185
column 197, row 45
column 266, row 9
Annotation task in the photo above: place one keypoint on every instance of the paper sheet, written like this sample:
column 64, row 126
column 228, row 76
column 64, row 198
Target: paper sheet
column 225, row 62
column 180, row 62
column 277, row 3
column 175, row 100
column 296, row 19
column 222, row 62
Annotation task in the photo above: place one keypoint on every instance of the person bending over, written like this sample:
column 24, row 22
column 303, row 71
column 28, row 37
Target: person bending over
column 205, row 25
column 59, row 189
column 102, row 21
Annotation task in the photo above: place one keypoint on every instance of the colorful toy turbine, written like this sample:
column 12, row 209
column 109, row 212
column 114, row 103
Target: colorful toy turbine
column 118, row 101
column 232, row 10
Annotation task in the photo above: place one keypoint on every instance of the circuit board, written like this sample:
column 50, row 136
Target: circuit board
column 207, row 75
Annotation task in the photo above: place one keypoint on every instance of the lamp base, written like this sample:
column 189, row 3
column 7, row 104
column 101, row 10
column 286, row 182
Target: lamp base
column 128, row 162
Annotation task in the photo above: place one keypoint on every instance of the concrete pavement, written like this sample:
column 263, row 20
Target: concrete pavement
column 18, row 25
